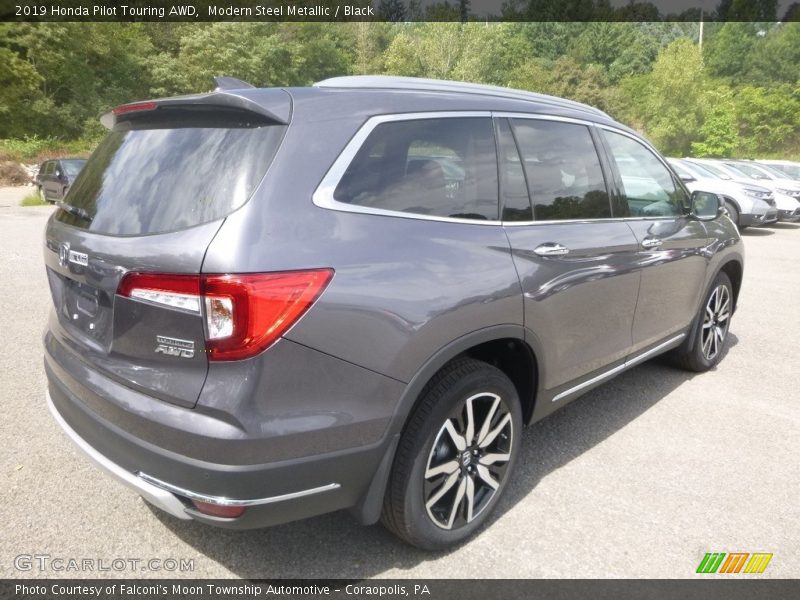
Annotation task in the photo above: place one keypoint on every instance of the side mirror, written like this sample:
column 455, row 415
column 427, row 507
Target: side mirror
column 706, row 205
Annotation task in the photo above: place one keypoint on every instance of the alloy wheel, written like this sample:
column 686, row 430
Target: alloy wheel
column 715, row 321
column 468, row 461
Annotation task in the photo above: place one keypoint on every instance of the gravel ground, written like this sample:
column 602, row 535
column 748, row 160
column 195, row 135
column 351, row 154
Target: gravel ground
column 639, row 478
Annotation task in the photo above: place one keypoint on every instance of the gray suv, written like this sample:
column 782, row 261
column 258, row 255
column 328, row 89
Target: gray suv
column 275, row 303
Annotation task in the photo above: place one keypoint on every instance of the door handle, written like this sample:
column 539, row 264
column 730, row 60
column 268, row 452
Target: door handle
column 651, row 242
column 551, row 249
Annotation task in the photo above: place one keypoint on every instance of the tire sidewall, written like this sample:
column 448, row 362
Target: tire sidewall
column 421, row 527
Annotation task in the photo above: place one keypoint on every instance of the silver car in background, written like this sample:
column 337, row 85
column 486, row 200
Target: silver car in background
column 786, row 192
column 747, row 205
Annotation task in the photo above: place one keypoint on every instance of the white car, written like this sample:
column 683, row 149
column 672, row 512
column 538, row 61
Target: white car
column 747, row 204
column 786, row 191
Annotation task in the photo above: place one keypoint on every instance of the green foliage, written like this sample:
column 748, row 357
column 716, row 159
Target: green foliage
column 739, row 96
column 719, row 136
column 36, row 149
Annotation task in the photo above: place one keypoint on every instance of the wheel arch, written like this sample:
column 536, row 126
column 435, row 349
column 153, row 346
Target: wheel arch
column 734, row 269
column 503, row 346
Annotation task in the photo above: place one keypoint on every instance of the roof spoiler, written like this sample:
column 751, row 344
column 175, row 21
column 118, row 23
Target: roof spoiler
column 225, row 83
column 231, row 98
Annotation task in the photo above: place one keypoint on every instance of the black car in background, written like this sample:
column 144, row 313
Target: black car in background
column 56, row 176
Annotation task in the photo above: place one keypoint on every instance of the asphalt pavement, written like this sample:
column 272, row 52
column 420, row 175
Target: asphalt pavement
column 639, row 478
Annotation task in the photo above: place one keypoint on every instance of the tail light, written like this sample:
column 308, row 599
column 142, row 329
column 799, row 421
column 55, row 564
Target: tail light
column 244, row 314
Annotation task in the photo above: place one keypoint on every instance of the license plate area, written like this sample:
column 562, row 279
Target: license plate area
column 84, row 310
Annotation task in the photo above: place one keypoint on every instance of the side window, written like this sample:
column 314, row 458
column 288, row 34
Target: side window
column 49, row 167
column 513, row 189
column 441, row 167
column 649, row 187
column 563, row 171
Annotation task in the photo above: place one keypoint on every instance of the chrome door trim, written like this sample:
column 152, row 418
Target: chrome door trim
column 619, row 368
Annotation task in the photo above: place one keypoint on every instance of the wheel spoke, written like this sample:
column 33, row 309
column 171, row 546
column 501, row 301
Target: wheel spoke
column 462, row 488
column 496, row 431
column 470, row 499
column 470, row 432
column 446, row 468
column 495, row 457
column 707, row 340
column 457, row 438
column 448, row 483
column 487, row 478
column 487, row 422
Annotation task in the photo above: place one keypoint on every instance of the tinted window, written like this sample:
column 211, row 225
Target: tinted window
column 648, row 186
column 514, row 190
column 439, row 167
column 156, row 180
column 563, row 171
column 49, row 167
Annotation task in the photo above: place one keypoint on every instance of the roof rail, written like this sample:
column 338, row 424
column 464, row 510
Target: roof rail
column 440, row 85
column 230, row 83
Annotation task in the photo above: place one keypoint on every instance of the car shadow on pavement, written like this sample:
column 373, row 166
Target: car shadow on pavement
column 784, row 225
column 756, row 232
column 336, row 546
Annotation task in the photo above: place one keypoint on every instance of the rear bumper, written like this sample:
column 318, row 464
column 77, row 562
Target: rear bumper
column 126, row 439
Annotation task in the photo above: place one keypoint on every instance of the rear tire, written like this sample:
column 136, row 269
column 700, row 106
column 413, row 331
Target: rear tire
column 455, row 457
column 710, row 330
column 41, row 194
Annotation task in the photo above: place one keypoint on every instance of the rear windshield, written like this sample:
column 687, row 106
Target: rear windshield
column 73, row 167
column 146, row 181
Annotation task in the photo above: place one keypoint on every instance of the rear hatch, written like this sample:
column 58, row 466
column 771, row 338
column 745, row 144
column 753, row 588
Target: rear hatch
column 150, row 200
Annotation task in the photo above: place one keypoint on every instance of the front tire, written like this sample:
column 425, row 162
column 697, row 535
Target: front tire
column 711, row 328
column 455, row 457
column 733, row 213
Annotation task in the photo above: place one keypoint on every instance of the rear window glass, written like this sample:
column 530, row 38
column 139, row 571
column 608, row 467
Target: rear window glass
column 157, row 180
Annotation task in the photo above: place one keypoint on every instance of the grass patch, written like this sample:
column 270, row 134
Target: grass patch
column 33, row 200
column 34, row 149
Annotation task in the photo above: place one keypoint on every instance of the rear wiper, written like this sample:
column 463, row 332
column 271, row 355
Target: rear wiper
column 79, row 212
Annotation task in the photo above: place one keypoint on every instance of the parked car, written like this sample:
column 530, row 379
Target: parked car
column 251, row 328
column 785, row 194
column 56, row 176
column 787, row 167
column 746, row 204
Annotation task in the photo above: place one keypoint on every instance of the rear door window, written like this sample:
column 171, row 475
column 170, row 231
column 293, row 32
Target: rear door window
column 562, row 169
column 145, row 181
column 439, row 167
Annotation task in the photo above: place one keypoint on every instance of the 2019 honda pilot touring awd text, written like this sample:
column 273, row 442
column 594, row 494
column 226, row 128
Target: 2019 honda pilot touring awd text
column 275, row 303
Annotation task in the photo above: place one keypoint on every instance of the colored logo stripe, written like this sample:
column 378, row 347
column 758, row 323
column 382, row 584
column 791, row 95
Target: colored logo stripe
column 758, row 563
column 713, row 562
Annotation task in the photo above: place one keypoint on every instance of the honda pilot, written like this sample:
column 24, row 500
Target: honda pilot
column 270, row 304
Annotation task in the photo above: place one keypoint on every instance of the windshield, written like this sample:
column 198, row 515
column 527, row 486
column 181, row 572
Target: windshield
column 157, row 180
column 72, row 167
column 776, row 173
column 704, row 172
column 714, row 170
column 750, row 171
